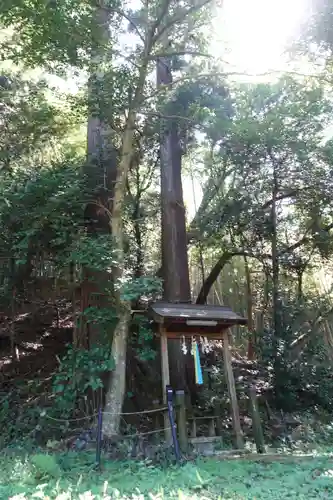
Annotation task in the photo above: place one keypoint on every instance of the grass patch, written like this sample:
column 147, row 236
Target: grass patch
column 72, row 477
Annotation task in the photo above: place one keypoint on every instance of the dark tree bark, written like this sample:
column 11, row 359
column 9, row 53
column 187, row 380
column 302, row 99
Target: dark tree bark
column 300, row 285
column 277, row 313
column 214, row 274
column 101, row 164
column 100, row 170
column 174, row 240
column 139, row 265
column 250, row 323
column 137, row 222
column 217, row 269
column 275, row 257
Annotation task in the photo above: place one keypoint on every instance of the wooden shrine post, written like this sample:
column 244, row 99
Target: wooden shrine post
column 165, row 381
column 181, row 420
column 232, row 392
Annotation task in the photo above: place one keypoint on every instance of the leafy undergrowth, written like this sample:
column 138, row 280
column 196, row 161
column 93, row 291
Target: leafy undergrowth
column 71, row 476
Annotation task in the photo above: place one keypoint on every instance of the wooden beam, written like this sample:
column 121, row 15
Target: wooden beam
column 165, row 382
column 232, row 392
column 196, row 333
column 218, row 419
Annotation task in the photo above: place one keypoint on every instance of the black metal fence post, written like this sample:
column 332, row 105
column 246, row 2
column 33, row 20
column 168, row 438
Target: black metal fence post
column 169, row 392
column 99, row 437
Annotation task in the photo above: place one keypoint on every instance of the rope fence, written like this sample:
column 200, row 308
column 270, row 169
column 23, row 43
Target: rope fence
column 89, row 417
column 100, row 414
column 139, row 434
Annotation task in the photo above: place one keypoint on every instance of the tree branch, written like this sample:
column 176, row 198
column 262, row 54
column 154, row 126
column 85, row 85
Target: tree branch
column 298, row 344
column 159, row 19
column 178, row 18
column 215, row 272
column 132, row 23
column 226, row 74
column 280, row 198
column 146, row 186
column 225, row 258
column 267, row 204
column 180, row 53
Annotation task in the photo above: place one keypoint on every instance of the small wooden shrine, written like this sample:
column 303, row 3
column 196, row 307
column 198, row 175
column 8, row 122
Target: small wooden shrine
column 177, row 321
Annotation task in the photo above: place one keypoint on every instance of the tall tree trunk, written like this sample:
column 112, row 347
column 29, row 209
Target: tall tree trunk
column 137, row 222
column 200, row 245
column 249, row 300
column 100, row 170
column 173, row 218
column 300, row 284
column 139, row 264
column 174, row 241
column 101, row 154
column 117, row 385
column 115, row 395
column 277, row 322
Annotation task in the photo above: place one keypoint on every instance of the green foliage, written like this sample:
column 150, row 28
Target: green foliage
column 18, row 418
column 7, row 419
column 274, row 144
column 40, row 214
column 305, row 374
column 104, row 317
column 32, row 126
column 58, row 34
column 144, row 286
column 93, row 253
column 279, row 124
column 79, row 371
column 45, row 467
column 197, row 104
column 144, row 339
column 259, row 139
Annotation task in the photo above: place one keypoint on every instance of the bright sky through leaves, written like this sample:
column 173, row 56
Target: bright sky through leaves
column 252, row 35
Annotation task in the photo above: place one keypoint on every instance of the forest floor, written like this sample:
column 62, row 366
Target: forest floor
column 71, row 476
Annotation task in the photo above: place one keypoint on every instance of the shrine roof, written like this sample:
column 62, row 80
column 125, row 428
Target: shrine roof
column 163, row 312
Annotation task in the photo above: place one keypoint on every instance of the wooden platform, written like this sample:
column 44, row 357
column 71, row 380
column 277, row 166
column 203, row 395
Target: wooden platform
column 205, row 445
column 266, row 457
